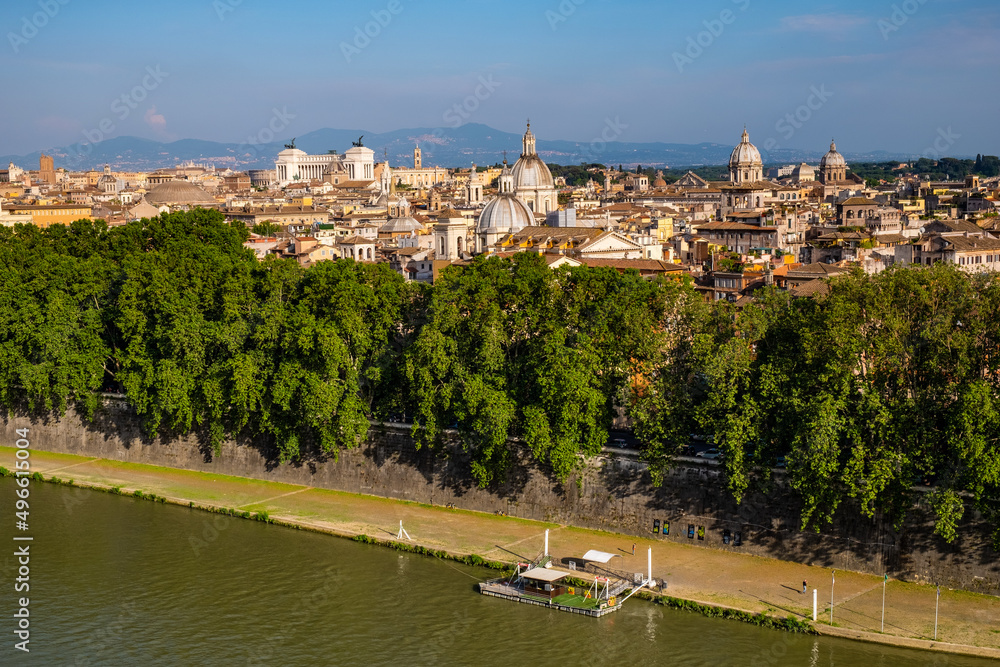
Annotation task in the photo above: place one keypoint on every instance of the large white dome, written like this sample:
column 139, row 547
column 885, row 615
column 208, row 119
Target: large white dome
column 745, row 154
column 531, row 172
column 833, row 158
column 179, row 193
column 403, row 225
column 505, row 215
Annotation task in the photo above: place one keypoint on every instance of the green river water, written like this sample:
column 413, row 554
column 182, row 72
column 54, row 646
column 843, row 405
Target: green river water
column 120, row 581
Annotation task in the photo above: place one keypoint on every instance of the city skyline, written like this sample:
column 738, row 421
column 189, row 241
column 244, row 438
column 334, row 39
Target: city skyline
column 797, row 77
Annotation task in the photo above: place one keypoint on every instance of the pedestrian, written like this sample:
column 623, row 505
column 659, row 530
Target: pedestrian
column 803, row 587
column 633, row 548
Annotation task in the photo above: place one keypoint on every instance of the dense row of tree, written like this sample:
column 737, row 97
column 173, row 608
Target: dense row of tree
column 578, row 175
column 887, row 380
column 948, row 168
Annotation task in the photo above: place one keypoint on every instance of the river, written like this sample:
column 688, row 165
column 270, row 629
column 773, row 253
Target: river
column 121, row 581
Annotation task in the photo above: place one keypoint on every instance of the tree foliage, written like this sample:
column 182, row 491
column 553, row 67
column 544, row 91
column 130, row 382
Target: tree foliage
column 887, row 380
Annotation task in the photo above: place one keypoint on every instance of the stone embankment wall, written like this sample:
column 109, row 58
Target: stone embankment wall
column 614, row 493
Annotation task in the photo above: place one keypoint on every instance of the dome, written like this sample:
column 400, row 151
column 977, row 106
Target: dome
column 530, row 172
column 833, row 158
column 179, row 193
column 404, row 225
column 505, row 214
column 745, row 154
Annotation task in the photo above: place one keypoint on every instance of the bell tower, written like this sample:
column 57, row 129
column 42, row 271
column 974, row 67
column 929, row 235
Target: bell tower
column 418, row 160
column 528, row 142
column 474, row 189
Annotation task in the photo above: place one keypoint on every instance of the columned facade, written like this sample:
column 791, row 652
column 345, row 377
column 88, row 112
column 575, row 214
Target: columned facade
column 421, row 177
column 359, row 162
column 296, row 165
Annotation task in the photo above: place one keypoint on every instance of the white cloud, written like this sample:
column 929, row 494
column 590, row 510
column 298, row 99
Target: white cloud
column 155, row 120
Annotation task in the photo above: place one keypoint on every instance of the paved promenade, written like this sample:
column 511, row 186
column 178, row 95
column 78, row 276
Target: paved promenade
column 743, row 582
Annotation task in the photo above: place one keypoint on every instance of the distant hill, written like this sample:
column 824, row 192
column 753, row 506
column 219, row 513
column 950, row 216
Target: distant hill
column 445, row 147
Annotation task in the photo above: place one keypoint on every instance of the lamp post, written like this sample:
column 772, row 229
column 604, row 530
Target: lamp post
column 833, row 582
column 885, row 579
column 937, row 605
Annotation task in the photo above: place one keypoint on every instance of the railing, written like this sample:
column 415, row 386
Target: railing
column 502, row 588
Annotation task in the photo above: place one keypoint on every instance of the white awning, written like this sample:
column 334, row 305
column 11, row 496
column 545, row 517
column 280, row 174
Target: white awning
column 543, row 574
column 599, row 556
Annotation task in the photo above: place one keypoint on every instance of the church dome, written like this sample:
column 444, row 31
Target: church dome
column 745, row 154
column 833, row 158
column 403, row 225
column 505, row 214
column 179, row 193
column 531, row 172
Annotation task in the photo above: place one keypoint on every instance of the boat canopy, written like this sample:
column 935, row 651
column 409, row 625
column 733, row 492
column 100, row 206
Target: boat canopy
column 544, row 574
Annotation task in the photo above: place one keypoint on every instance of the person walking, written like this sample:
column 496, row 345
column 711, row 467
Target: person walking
column 633, row 548
column 803, row 586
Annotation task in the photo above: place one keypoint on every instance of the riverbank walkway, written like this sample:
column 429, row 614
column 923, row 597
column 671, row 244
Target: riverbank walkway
column 708, row 576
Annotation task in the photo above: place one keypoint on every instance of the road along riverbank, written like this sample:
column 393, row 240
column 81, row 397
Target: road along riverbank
column 967, row 622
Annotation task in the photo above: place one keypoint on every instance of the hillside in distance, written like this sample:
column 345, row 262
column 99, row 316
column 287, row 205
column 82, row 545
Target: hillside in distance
column 444, row 147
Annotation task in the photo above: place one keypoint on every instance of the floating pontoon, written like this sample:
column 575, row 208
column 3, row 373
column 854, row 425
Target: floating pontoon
column 594, row 590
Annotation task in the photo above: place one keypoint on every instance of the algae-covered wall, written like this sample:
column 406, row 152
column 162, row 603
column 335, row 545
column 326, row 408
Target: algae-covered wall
column 614, row 493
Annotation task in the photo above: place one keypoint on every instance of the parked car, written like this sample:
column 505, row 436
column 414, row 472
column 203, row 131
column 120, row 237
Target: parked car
column 712, row 454
column 619, row 443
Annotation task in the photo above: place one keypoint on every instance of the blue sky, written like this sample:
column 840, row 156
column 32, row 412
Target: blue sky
column 894, row 75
